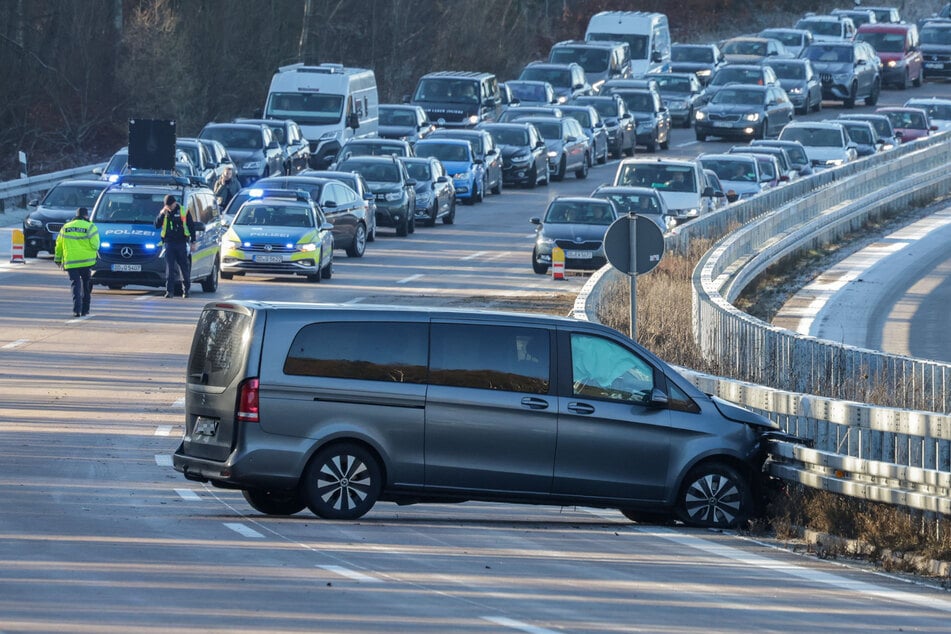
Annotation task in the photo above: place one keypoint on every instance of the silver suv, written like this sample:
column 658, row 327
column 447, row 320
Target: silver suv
column 335, row 407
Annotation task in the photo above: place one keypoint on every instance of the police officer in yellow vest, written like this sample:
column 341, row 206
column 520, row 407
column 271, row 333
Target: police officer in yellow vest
column 77, row 247
column 178, row 236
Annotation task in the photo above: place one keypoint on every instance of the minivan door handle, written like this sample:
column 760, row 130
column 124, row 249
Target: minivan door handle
column 581, row 408
column 534, row 403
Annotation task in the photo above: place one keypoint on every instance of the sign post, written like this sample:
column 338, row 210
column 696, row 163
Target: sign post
column 634, row 245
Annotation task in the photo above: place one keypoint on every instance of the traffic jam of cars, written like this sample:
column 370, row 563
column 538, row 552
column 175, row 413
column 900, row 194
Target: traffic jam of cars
column 315, row 176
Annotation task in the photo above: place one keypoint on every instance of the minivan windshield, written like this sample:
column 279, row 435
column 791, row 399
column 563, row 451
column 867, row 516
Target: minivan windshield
column 637, row 42
column 592, row 60
column 446, row 90
column 676, row 178
column 119, row 207
column 883, row 42
column 305, row 108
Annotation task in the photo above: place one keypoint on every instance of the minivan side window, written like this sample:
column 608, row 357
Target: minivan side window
column 509, row 358
column 368, row 351
column 601, row 368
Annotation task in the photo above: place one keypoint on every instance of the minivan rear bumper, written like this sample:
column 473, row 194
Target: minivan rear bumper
column 259, row 469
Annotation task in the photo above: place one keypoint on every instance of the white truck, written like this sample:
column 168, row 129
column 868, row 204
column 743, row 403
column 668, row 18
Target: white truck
column 331, row 103
column 648, row 35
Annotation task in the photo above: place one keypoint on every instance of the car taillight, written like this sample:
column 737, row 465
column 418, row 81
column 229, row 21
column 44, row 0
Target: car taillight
column 248, row 401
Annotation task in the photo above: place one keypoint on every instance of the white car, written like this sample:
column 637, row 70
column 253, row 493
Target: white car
column 939, row 110
column 827, row 144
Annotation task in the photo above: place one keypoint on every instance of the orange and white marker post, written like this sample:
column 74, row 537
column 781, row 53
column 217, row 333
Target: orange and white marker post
column 557, row 263
column 16, row 249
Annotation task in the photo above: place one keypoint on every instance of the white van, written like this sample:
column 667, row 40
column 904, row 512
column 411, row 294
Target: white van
column 330, row 102
column 681, row 183
column 647, row 34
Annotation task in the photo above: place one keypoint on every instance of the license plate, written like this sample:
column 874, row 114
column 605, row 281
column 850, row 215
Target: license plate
column 721, row 124
column 268, row 259
column 934, row 65
column 205, row 426
column 126, row 268
column 579, row 255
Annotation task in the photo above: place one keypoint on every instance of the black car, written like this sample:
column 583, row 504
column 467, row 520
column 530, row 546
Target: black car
column 935, row 41
column 652, row 119
column 344, row 208
column 435, row 193
column 701, row 59
column 618, row 122
column 524, row 154
column 576, row 225
column 404, row 122
column 745, row 112
column 800, row 81
column 681, row 95
column 751, row 74
column 590, row 121
column 568, row 80
column 289, row 136
column 483, row 149
column 50, row 213
column 357, row 183
column 395, row 191
column 255, row 151
column 849, row 71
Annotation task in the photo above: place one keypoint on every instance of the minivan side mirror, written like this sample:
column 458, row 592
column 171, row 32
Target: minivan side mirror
column 535, row 220
column 656, row 57
column 353, row 121
column 707, row 192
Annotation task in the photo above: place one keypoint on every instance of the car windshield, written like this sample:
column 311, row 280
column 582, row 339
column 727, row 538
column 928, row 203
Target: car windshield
column 884, row 42
column 637, row 42
column 908, row 119
column 397, row 117
column 934, row 110
column 235, row 138
column 605, row 107
column 592, row 60
column 675, row 178
column 447, row 90
column 744, row 47
column 729, row 170
column 419, row 171
column 529, row 92
column 582, row 213
column 813, row 137
column 797, row 154
column 554, row 76
column 934, row 35
column 728, row 75
column 789, row 70
column 372, row 148
column 119, row 207
column 638, row 101
column 581, row 116
column 381, row 172
column 821, row 27
column 510, row 136
column 191, row 151
column 475, row 140
column 739, row 97
column 262, row 214
column 305, row 108
column 548, row 130
column 830, row 54
column 673, row 83
column 444, row 151
column 787, row 38
column 860, row 134
column 694, row 54
column 767, row 168
column 117, row 163
column 65, row 196
column 636, row 203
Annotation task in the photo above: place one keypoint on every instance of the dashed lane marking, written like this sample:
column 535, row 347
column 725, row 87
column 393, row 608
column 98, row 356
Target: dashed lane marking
column 246, row 531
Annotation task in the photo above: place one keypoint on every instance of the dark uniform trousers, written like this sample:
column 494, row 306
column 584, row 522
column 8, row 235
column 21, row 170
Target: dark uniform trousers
column 80, row 280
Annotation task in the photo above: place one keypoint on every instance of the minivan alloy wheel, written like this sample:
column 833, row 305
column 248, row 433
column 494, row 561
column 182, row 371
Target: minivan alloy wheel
column 715, row 496
column 342, row 482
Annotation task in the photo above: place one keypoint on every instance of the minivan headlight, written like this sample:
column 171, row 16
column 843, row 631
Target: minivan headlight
column 392, row 196
column 252, row 165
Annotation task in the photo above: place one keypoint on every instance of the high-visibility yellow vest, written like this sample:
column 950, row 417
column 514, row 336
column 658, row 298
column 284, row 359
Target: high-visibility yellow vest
column 184, row 214
column 77, row 244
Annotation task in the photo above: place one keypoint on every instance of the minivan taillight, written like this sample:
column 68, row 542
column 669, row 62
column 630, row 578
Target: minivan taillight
column 248, row 401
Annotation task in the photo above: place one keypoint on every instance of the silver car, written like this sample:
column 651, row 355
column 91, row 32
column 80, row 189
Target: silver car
column 334, row 407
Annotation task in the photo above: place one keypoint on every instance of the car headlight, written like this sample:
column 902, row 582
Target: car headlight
column 393, row 196
column 462, row 175
column 552, row 154
column 596, row 87
column 700, row 115
column 842, row 79
column 834, row 162
column 473, row 119
column 795, row 91
column 544, row 241
column 252, row 165
column 33, row 222
column 677, row 104
column 706, row 72
column 307, row 247
column 326, row 136
column 753, row 116
column 230, row 245
column 562, row 99
column 522, row 158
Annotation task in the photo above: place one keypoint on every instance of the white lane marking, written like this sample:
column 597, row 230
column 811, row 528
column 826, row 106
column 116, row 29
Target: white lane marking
column 355, row 300
column 686, row 144
column 475, row 255
column 142, row 298
column 351, row 574
column 180, row 403
column 14, row 344
column 188, row 495
column 517, row 625
column 812, row 576
column 163, row 460
column 409, row 279
column 75, row 319
column 246, row 531
column 163, row 430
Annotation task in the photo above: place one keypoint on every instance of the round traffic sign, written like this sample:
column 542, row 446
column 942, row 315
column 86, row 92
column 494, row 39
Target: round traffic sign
column 648, row 244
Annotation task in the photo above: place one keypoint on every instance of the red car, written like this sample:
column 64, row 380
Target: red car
column 898, row 48
column 911, row 123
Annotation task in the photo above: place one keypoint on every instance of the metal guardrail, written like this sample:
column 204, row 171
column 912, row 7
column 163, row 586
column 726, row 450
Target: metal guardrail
column 18, row 192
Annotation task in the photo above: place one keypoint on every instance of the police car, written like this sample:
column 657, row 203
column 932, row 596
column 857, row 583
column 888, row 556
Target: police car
column 278, row 232
column 131, row 251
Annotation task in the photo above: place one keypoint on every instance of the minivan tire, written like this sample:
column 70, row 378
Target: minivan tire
column 342, row 482
column 274, row 502
column 714, row 495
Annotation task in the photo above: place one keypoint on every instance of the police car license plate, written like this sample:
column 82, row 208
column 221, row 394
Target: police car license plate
column 579, row 255
column 268, row 259
column 126, row 268
column 934, row 65
column 205, row 426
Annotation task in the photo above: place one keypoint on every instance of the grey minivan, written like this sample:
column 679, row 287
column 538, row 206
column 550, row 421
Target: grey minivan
column 334, row 407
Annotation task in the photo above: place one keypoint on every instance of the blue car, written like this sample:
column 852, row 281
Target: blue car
column 456, row 156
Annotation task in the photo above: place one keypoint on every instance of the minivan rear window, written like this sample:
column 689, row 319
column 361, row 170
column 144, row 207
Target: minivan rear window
column 219, row 347
column 368, row 351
